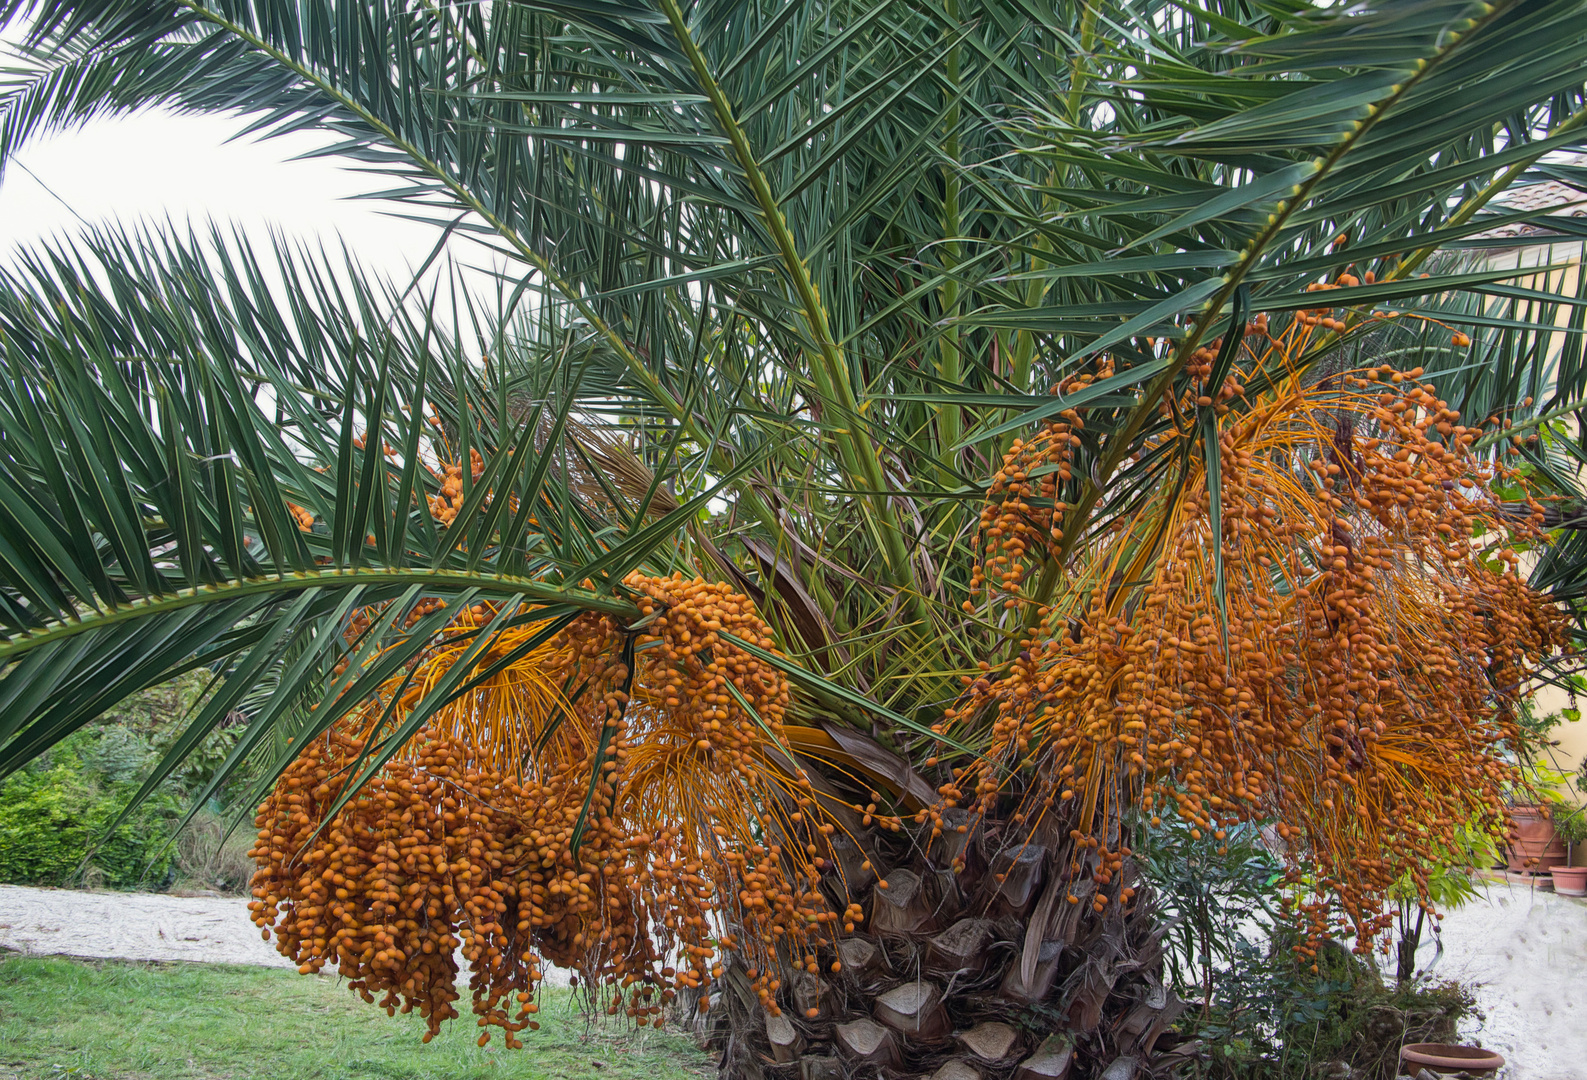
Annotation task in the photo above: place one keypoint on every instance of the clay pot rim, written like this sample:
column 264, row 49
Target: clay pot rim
column 1439, row 1056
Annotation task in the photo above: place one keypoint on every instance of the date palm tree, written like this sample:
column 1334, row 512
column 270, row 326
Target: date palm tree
column 950, row 336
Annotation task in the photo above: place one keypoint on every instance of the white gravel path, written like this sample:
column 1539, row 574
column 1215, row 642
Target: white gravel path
column 132, row 926
column 145, row 926
column 1525, row 950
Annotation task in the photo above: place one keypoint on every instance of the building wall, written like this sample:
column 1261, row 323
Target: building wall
column 1569, row 737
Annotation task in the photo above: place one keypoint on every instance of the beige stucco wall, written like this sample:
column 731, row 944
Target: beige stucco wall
column 1569, row 736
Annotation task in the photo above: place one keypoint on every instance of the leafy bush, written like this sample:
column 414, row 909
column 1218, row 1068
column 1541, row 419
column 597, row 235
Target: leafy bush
column 1570, row 824
column 1352, row 1015
column 157, row 716
column 1220, row 902
column 54, row 814
column 1257, row 1010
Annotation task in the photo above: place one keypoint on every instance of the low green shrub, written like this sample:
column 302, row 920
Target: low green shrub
column 55, row 813
column 55, row 817
column 1349, row 1013
column 1570, row 824
column 1256, row 1010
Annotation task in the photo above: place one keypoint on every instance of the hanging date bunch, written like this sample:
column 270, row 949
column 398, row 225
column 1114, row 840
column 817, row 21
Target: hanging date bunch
column 1357, row 681
column 616, row 801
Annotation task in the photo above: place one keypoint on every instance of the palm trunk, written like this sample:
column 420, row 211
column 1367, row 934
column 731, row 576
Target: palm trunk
column 988, row 973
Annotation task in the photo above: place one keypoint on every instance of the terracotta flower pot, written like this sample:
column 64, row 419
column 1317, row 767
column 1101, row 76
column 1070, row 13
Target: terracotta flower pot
column 1570, row 880
column 1443, row 1058
column 1534, row 838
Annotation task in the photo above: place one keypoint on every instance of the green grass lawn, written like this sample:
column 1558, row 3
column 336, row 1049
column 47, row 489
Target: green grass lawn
column 99, row 1020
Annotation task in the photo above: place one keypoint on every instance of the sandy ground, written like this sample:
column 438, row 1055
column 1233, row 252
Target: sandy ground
column 143, row 926
column 132, row 926
column 1526, row 953
column 1525, row 950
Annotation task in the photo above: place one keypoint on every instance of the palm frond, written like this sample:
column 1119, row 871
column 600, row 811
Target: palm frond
column 183, row 487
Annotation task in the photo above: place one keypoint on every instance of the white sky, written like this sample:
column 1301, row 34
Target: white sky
column 154, row 166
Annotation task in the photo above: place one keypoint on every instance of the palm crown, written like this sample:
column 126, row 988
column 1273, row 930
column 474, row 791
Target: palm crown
column 937, row 333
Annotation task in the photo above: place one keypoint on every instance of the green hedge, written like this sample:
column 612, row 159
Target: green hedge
column 53, row 813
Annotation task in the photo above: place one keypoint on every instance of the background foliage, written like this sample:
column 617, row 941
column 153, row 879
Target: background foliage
column 1256, row 1011
column 56, row 814
column 54, row 811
